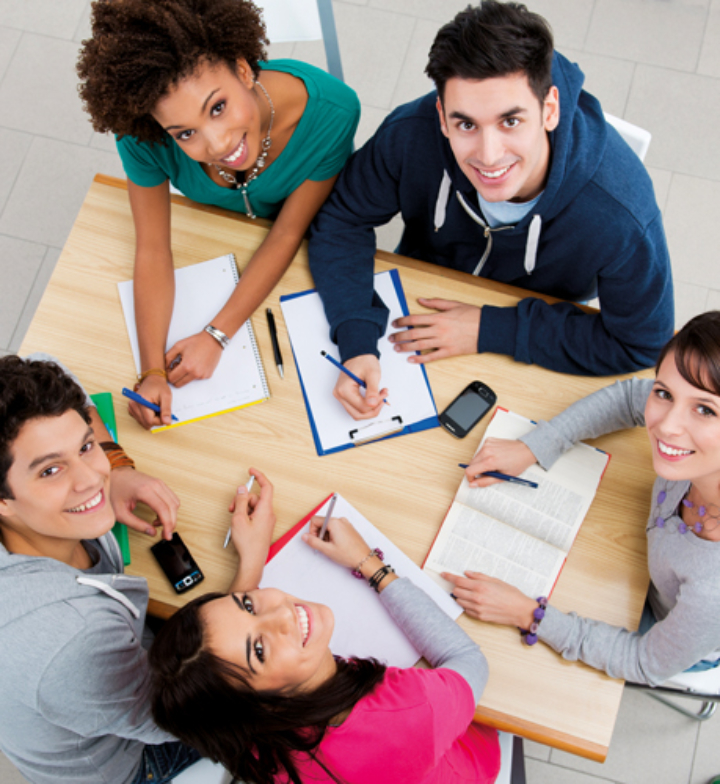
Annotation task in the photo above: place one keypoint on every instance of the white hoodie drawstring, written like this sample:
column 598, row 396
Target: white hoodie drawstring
column 442, row 200
column 532, row 243
column 105, row 588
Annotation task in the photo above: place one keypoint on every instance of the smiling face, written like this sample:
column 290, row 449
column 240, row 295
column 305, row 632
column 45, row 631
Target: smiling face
column 281, row 642
column 683, row 423
column 214, row 116
column 60, row 480
column 498, row 132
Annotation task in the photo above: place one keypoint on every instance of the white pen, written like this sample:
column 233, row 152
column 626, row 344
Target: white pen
column 323, row 530
column 227, row 535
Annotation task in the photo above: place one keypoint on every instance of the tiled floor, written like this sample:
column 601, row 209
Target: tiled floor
column 654, row 62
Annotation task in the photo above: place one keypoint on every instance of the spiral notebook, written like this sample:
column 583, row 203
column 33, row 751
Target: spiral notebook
column 201, row 290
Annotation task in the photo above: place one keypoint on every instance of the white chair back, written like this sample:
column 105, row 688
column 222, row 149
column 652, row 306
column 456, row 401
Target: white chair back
column 638, row 139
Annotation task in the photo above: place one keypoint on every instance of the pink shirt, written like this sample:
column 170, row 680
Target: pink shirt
column 415, row 728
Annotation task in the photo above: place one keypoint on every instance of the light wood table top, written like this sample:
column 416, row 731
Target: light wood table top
column 404, row 485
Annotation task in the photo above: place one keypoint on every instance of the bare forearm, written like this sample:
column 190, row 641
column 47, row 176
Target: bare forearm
column 154, row 288
column 260, row 277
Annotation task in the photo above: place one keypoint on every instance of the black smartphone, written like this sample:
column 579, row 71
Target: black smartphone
column 468, row 408
column 177, row 563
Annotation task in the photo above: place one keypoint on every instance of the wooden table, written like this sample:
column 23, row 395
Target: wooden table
column 404, row 485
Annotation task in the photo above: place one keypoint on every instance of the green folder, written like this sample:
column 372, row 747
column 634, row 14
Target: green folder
column 106, row 411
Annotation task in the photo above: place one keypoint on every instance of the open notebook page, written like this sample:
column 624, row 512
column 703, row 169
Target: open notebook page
column 362, row 625
column 201, row 291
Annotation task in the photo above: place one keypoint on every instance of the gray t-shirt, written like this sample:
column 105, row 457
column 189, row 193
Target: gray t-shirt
column 685, row 570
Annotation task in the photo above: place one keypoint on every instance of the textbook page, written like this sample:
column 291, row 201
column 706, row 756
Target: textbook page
column 201, row 291
column 409, row 398
column 363, row 627
column 513, row 532
column 470, row 540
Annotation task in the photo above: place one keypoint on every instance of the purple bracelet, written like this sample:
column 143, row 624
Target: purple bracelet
column 529, row 636
column 356, row 571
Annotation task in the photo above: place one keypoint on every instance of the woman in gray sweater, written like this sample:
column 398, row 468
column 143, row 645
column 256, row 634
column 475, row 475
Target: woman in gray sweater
column 681, row 411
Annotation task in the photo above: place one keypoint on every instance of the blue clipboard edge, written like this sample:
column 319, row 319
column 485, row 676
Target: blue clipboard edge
column 418, row 427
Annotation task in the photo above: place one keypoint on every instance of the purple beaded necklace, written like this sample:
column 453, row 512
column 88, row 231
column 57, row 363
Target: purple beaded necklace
column 704, row 516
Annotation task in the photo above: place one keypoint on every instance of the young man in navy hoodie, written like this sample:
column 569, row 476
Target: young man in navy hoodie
column 510, row 172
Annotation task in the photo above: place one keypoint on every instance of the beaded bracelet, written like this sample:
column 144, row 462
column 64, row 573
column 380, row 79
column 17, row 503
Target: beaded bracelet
column 379, row 576
column 356, row 571
column 529, row 636
column 116, row 455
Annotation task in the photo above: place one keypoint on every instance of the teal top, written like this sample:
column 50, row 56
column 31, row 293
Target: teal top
column 317, row 150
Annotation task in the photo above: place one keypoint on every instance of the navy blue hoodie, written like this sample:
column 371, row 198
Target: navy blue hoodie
column 596, row 231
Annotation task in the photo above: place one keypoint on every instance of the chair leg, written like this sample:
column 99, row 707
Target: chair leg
column 707, row 709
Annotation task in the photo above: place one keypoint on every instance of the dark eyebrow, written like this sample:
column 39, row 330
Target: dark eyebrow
column 456, row 115
column 202, row 110
column 248, row 642
column 55, row 455
column 512, row 112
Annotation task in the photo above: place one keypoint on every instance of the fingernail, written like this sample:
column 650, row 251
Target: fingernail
column 150, row 531
column 242, row 490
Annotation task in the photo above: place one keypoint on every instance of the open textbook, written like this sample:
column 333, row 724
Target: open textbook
column 201, row 291
column 519, row 534
column 363, row 627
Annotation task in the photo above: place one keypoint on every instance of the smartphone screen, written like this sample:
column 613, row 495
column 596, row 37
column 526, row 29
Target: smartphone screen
column 177, row 563
column 468, row 408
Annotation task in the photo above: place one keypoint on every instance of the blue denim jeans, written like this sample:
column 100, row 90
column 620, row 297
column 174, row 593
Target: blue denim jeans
column 161, row 763
column 648, row 620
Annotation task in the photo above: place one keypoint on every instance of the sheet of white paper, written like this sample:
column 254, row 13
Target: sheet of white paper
column 409, row 397
column 291, row 20
column 362, row 625
column 201, row 290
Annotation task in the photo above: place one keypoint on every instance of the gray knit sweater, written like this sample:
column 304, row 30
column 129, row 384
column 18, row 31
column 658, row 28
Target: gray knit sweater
column 685, row 570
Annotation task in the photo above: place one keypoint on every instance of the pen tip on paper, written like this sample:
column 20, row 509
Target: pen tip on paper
column 324, row 353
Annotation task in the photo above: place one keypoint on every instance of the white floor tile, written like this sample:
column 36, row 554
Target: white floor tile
column 8, row 42
column 370, row 120
column 682, row 111
column 19, row 265
column 537, row 772
column 569, row 20
column 58, row 18
column 438, row 11
column 691, row 226
column 707, row 760
column 690, row 300
column 661, row 180
column 13, row 149
column 538, row 751
column 43, row 99
column 665, row 33
column 710, row 53
column 39, row 285
column 713, row 300
column 651, row 744
column 51, row 188
column 413, row 81
column 607, row 78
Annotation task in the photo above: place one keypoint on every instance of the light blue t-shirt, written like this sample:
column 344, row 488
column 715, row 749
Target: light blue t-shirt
column 317, row 150
column 505, row 213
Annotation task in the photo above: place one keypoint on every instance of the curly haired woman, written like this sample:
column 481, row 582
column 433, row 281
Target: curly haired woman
column 184, row 86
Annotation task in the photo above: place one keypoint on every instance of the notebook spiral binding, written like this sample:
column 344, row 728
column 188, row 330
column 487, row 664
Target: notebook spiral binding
column 251, row 333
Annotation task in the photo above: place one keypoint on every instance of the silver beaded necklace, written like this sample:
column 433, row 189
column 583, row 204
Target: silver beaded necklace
column 259, row 163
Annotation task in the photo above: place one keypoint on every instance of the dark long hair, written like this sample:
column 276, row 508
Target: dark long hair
column 696, row 350
column 207, row 702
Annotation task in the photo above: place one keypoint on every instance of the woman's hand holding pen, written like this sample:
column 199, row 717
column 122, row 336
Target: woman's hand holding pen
column 253, row 521
column 343, row 544
column 199, row 356
column 498, row 454
column 155, row 389
column 491, row 600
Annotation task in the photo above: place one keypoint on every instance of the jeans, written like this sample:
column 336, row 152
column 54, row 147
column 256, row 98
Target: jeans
column 161, row 763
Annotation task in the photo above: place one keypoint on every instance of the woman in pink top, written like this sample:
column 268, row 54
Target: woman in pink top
column 248, row 680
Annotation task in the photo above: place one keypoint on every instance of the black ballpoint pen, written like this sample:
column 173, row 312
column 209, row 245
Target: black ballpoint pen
column 275, row 344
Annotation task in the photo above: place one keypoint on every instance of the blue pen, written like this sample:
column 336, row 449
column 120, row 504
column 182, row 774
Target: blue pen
column 140, row 399
column 346, row 371
column 505, row 477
